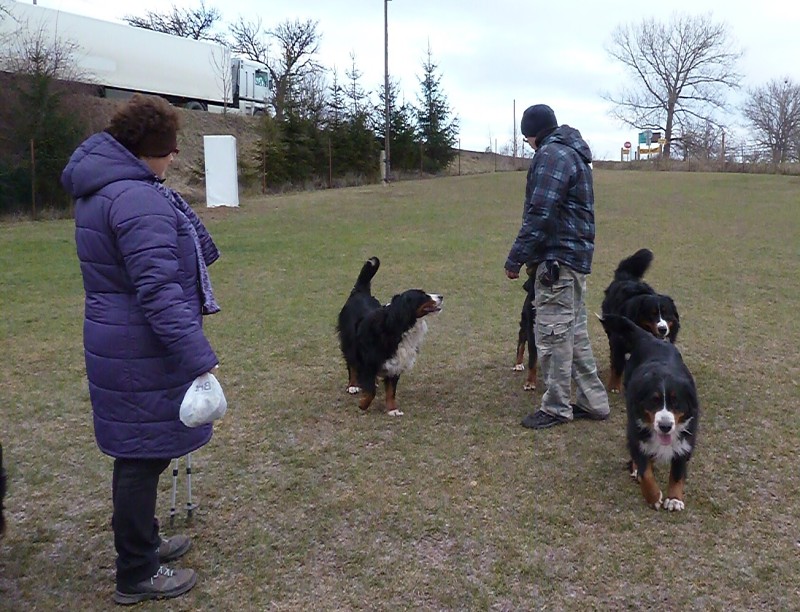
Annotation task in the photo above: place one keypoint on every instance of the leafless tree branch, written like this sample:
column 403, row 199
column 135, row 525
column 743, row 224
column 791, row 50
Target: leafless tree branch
column 680, row 72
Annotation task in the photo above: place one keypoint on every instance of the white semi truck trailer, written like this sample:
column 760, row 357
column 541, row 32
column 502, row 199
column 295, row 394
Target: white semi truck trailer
column 121, row 59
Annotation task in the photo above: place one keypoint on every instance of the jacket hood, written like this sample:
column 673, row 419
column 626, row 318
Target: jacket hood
column 99, row 161
column 571, row 138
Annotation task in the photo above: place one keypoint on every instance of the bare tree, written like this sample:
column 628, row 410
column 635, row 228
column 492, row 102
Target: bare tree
column 774, row 112
column 221, row 63
column 309, row 97
column 34, row 50
column 699, row 140
column 297, row 42
column 188, row 23
column 250, row 39
column 680, row 69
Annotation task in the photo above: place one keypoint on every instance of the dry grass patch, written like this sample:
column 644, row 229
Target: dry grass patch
column 307, row 504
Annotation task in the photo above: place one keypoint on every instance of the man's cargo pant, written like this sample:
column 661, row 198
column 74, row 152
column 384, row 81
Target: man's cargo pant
column 562, row 339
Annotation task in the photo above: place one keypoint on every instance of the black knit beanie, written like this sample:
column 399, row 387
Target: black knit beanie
column 538, row 121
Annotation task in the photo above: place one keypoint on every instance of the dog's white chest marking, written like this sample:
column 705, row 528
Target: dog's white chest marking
column 407, row 352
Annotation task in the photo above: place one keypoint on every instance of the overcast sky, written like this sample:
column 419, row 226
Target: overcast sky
column 495, row 55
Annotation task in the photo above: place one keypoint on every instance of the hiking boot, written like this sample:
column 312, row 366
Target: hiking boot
column 166, row 583
column 542, row 420
column 173, row 548
column 579, row 412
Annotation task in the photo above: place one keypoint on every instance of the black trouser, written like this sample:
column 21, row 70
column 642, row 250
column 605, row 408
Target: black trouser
column 134, row 489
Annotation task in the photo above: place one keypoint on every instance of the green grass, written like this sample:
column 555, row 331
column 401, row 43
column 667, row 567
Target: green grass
column 305, row 503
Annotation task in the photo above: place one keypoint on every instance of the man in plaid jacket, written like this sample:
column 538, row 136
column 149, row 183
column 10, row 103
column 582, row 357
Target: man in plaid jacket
column 556, row 244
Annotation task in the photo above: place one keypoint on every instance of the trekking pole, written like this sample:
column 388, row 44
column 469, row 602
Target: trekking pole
column 189, row 505
column 174, row 492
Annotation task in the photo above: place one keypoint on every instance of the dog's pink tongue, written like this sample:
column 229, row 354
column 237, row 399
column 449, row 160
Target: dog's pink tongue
column 665, row 439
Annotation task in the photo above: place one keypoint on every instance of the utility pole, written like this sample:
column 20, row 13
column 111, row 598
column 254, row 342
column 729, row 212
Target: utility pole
column 515, row 127
column 386, row 159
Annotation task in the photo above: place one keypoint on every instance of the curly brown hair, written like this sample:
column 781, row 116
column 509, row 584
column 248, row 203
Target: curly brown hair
column 146, row 125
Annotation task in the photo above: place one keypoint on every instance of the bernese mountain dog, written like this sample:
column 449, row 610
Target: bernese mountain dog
column 2, row 492
column 382, row 341
column 527, row 320
column 629, row 296
column 662, row 408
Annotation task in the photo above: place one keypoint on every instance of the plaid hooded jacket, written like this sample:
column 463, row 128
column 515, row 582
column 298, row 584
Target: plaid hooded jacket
column 558, row 216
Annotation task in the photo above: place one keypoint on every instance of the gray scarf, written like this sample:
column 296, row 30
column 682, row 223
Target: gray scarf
column 207, row 252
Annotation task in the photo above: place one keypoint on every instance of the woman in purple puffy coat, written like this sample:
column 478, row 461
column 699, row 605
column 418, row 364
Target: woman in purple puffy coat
column 143, row 255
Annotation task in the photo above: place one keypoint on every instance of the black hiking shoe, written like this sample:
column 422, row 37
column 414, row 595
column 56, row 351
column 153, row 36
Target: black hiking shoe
column 581, row 413
column 173, row 548
column 166, row 583
column 542, row 420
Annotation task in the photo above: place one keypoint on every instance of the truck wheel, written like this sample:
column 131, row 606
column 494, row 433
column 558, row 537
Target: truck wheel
column 194, row 105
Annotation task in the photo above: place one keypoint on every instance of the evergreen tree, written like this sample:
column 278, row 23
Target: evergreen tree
column 436, row 124
column 404, row 145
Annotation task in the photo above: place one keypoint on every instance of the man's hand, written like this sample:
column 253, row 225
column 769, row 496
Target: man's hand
column 512, row 275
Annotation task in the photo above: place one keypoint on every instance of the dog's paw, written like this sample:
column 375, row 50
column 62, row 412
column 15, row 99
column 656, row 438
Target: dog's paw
column 353, row 390
column 673, row 505
column 518, row 367
column 529, row 386
column 395, row 412
column 659, row 503
column 634, row 473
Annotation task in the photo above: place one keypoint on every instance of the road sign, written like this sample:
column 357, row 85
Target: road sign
column 627, row 145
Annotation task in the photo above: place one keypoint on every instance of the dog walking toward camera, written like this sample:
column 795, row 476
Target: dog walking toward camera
column 629, row 296
column 663, row 411
column 382, row 341
column 526, row 337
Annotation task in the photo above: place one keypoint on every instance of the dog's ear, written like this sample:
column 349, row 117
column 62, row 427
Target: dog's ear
column 674, row 308
column 682, row 393
column 616, row 324
column 636, row 308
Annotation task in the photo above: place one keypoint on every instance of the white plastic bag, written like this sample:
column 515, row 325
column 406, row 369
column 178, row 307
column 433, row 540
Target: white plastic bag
column 204, row 402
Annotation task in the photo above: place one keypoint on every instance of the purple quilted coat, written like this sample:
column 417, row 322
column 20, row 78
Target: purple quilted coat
column 142, row 332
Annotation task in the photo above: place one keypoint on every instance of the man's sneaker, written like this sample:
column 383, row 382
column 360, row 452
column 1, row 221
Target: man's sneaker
column 173, row 548
column 166, row 583
column 542, row 420
column 579, row 412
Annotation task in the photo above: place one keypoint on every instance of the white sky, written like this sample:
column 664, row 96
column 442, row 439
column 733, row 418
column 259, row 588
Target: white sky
column 492, row 54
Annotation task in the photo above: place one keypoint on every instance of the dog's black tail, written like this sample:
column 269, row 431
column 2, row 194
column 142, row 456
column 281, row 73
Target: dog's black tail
column 365, row 276
column 634, row 267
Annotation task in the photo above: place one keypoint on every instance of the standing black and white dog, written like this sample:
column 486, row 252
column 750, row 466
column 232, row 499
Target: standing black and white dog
column 526, row 337
column 382, row 341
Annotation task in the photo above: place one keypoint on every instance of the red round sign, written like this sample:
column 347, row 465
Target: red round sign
column 627, row 145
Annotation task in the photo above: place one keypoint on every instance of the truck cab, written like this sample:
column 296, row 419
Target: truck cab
column 252, row 85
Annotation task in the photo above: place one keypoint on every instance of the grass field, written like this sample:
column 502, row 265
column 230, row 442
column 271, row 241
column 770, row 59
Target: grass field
column 307, row 504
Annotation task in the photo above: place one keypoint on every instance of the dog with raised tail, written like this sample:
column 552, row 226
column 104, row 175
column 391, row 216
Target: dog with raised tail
column 382, row 341
column 629, row 296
